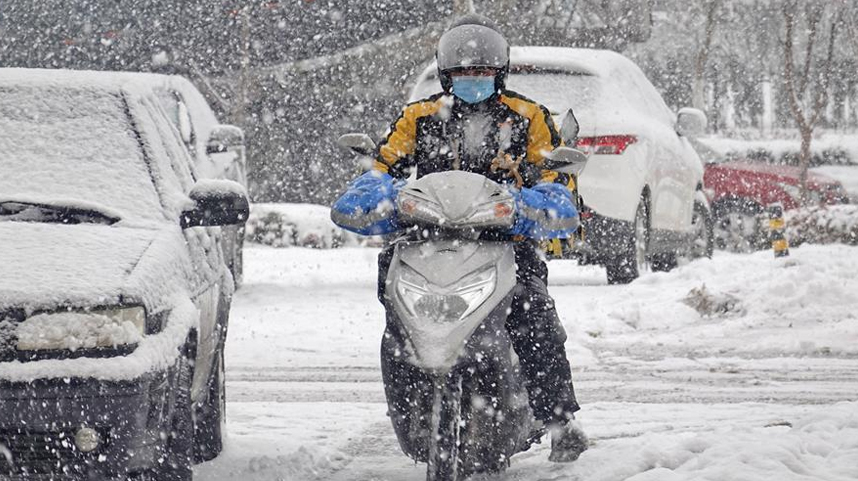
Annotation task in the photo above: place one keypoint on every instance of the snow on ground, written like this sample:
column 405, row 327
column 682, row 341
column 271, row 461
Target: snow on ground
column 743, row 367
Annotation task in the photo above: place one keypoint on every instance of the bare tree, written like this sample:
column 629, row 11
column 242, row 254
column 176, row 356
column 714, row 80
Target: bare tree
column 609, row 24
column 807, row 84
column 851, row 17
column 697, row 98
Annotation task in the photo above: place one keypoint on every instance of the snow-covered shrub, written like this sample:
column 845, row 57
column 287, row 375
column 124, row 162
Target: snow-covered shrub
column 301, row 225
column 823, row 225
column 270, row 229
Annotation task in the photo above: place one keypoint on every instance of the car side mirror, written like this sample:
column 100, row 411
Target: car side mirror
column 216, row 203
column 565, row 160
column 225, row 138
column 569, row 129
column 361, row 144
column 690, row 122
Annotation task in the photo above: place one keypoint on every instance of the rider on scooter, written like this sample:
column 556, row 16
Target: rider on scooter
column 477, row 125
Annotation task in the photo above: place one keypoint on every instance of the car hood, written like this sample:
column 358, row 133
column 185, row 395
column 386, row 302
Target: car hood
column 783, row 173
column 49, row 265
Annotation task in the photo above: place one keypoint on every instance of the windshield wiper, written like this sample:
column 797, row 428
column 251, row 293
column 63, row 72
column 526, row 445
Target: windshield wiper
column 36, row 212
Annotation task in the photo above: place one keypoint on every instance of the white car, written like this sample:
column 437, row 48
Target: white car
column 217, row 150
column 643, row 203
column 114, row 293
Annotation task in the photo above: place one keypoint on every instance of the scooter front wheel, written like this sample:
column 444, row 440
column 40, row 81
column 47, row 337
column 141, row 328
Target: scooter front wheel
column 444, row 444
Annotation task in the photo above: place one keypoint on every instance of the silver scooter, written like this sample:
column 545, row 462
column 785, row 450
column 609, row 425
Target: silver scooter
column 455, row 395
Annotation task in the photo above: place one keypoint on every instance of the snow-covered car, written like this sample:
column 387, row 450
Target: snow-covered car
column 114, row 291
column 642, row 185
column 218, row 150
column 741, row 189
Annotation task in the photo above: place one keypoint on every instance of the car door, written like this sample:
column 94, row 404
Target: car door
column 675, row 204
column 203, row 243
column 671, row 181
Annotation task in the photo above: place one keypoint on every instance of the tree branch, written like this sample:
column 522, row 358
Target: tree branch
column 825, row 75
column 789, row 67
column 814, row 17
column 709, row 32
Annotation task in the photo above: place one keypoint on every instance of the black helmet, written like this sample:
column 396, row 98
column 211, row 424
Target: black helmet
column 472, row 41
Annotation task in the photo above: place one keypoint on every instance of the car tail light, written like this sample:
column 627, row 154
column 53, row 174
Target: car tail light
column 606, row 145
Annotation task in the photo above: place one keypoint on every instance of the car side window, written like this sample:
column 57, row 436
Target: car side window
column 177, row 111
column 166, row 144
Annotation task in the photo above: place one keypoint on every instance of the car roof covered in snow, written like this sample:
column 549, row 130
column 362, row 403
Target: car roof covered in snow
column 204, row 118
column 90, row 79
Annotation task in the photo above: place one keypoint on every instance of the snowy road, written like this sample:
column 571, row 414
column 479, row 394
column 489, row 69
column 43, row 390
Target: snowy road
column 742, row 367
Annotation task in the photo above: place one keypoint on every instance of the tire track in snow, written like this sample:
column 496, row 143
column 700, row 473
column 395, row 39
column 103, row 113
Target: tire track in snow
column 713, row 380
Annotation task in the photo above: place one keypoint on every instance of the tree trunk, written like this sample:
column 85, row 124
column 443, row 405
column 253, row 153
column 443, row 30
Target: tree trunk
column 804, row 163
column 768, row 107
column 698, row 100
column 727, row 107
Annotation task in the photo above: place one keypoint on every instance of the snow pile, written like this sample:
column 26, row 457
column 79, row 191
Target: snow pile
column 712, row 304
column 821, row 446
column 298, row 225
column 804, row 304
column 75, row 330
column 823, row 225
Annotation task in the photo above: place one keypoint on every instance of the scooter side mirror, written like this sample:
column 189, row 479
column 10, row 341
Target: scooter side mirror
column 565, row 160
column 569, row 129
column 361, row 144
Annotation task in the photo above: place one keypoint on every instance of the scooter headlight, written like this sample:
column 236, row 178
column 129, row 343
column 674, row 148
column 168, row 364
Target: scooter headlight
column 432, row 303
column 499, row 213
column 411, row 207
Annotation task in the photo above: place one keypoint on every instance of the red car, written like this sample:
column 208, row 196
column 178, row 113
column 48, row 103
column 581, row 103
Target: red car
column 740, row 190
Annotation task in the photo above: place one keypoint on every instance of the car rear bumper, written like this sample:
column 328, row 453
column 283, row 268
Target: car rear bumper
column 612, row 184
column 39, row 420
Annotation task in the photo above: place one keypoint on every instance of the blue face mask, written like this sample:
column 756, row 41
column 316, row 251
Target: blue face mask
column 473, row 88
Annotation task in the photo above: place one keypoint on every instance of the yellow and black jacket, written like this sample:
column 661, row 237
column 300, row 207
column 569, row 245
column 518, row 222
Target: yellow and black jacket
column 442, row 133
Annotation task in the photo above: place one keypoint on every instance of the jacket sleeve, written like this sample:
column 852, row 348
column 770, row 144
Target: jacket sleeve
column 401, row 142
column 542, row 137
column 367, row 207
column 545, row 211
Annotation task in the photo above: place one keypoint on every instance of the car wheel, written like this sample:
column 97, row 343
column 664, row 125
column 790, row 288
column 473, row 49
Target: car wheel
column 737, row 226
column 626, row 267
column 703, row 240
column 176, row 461
column 664, row 262
column 208, row 436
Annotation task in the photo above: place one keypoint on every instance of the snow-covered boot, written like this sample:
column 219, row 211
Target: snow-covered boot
column 568, row 441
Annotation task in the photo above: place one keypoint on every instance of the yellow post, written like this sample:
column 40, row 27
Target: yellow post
column 777, row 228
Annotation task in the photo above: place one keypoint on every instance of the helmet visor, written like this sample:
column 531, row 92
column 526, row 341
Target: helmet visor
column 472, row 46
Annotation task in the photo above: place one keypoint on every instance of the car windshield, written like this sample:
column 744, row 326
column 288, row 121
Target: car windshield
column 559, row 90
column 71, row 155
column 33, row 212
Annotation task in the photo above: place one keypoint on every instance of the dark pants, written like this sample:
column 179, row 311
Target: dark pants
column 537, row 335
